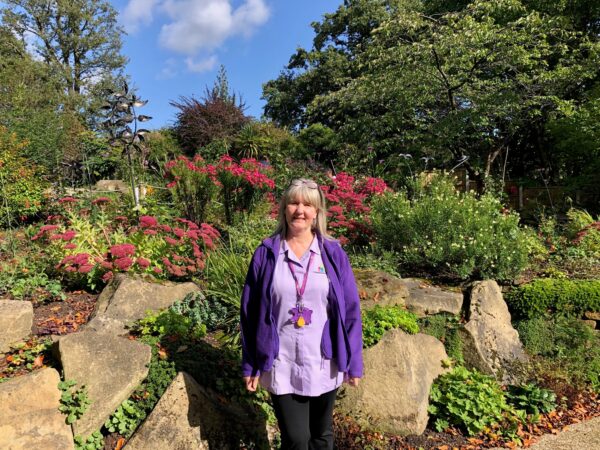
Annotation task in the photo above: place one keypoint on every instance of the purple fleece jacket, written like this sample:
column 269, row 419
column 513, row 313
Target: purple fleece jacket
column 342, row 334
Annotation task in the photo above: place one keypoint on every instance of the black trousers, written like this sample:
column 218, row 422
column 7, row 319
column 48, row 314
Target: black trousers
column 305, row 422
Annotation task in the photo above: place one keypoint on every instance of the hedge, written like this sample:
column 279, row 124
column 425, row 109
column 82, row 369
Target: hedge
column 554, row 296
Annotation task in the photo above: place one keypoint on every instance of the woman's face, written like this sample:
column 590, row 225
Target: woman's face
column 299, row 215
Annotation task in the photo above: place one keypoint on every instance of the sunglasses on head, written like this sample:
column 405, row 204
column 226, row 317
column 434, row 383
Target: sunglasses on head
column 307, row 183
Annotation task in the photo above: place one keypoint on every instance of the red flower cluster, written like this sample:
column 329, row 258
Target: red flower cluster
column 80, row 262
column 348, row 206
column 584, row 232
column 100, row 201
column 250, row 170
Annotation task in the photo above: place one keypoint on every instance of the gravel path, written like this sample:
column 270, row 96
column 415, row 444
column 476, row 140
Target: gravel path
column 579, row 436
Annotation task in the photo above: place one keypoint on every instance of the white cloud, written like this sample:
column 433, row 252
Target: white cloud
column 198, row 25
column 203, row 65
column 169, row 70
column 136, row 13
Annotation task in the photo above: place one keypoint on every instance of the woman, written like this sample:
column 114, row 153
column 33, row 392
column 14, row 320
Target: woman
column 300, row 320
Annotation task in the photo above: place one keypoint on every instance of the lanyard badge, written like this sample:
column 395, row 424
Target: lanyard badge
column 301, row 315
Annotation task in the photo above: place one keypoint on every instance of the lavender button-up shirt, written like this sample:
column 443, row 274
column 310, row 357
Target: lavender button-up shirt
column 300, row 367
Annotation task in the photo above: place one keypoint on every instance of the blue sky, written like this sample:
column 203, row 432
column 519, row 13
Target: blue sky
column 175, row 47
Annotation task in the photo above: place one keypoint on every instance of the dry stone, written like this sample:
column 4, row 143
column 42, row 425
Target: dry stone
column 425, row 299
column 379, row 288
column 111, row 367
column 30, row 415
column 127, row 299
column 176, row 421
column 394, row 393
column 592, row 315
column 16, row 319
column 491, row 344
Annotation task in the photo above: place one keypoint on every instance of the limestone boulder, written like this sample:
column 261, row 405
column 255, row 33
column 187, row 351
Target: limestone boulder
column 16, row 319
column 191, row 416
column 592, row 315
column 394, row 393
column 127, row 299
column 425, row 299
column 176, row 421
column 491, row 344
column 379, row 288
column 30, row 416
column 112, row 185
column 110, row 366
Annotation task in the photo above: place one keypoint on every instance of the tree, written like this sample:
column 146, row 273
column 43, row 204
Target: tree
column 218, row 116
column 80, row 39
column 474, row 82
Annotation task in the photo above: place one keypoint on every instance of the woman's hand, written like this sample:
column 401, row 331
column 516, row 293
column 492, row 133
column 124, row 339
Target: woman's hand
column 353, row 381
column 251, row 383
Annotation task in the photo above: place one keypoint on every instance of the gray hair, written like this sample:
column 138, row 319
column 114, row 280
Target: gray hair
column 309, row 192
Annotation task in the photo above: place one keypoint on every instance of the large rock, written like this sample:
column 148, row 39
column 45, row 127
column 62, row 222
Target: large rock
column 30, row 415
column 425, row 299
column 491, row 344
column 176, row 421
column 16, row 319
column 379, row 288
column 111, row 367
column 127, row 299
column 394, row 393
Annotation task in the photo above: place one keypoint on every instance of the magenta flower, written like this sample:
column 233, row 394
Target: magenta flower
column 122, row 250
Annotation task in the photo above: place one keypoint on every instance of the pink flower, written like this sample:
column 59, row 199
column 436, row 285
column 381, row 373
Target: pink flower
column 100, row 201
column 67, row 200
column 107, row 276
column 122, row 250
column 148, row 222
column 143, row 262
column 70, row 246
column 178, row 232
column 150, row 232
column 86, row 268
column 171, row 241
column 68, row 235
column 123, row 263
column 157, row 270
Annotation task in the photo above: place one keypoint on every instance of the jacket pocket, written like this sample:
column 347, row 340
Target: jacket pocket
column 326, row 344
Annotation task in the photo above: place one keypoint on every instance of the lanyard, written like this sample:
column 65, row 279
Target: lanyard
column 300, row 290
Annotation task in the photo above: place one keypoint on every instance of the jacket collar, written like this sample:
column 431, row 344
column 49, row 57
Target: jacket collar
column 273, row 243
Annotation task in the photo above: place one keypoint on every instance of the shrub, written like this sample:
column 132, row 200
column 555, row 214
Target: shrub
column 468, row 400
column 564, row 347
column 377, row 321
column 239, row 186
column 125, row 419
column 73, row 403
column 21, row 182
column 558, row 296
column 208, row 313
column 169, row 323
column 450, row 233
column 348, row 202
column 531, row 399
column 89, row 245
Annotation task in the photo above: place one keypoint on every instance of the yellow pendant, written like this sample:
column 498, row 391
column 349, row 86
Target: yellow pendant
column 300, row 322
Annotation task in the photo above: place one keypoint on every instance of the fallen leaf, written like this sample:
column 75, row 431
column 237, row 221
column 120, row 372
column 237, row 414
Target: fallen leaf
column 120, row 444
column 38, row 361
column 182, row 348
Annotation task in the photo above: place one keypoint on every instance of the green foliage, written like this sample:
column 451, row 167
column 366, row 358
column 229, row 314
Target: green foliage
column 383, row 260
column 445, row 328
column 125, row 419
column 161, row 373
column 28, row 355
column 33, row 284
column 450, row 233
column 202, row 311
column 225, row 272
column 563, row 346
column 169, row 323
column 468, row 400
column 94, row 441
column 73, row 403
column 265, row 141
column 558, row 296
column 376, row 321
column 20, row 181
column 531, row 399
